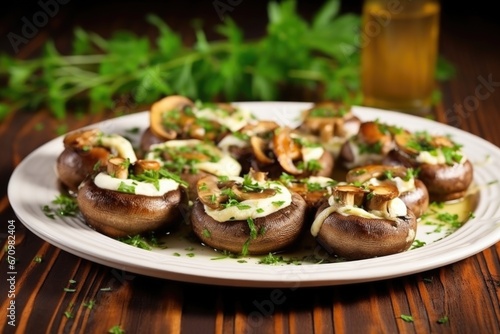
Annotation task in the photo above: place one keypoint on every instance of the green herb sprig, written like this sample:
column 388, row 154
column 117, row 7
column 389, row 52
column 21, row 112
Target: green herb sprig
column 320, row 56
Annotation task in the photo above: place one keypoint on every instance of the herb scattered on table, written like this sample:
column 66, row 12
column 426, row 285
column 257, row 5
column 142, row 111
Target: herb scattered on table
column 443, row 320
column 116, row 329
column 407, row 318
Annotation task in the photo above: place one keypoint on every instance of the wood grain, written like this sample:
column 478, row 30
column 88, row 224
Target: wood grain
column 467, row 293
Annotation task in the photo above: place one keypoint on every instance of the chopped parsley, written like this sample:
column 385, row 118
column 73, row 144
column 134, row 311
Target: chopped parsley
column 64, row 206
column 407, row 318
column 125, row 188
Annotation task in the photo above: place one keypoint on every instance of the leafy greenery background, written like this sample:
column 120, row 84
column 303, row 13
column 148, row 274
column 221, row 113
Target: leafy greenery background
column 314, row 60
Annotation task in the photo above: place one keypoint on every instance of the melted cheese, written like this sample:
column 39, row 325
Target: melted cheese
column 118, row 143
column 225, row 166
column 231, row 141
column 106, row 181
column 435, row 159
column 311, row 153
column 323, row 181
column 361, row 159
column 256, row 207
column 396, row 208
column 233, row 121
column 402, row 185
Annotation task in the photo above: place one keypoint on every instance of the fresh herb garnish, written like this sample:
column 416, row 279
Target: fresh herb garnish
column 64, row 206
column 137, row 241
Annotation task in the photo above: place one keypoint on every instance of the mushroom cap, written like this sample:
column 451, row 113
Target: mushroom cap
column 148, row 138
column 74, row 165
column 276, row 231
column 168, row 103
column 353, row 237
column 416, row 200
column 117, row 214
column 445, row 182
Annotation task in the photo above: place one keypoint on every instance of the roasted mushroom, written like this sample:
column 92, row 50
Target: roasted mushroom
column 130, row 199
column 291, row 152
column 250, row 140
column 443, row 167
column 315, row 190
column 177, row 117
column 333, row 122
column 369, row 146
column 193, row 159
column 411, row 190
column 86, row 151
column 248, row 215
column 359, row 222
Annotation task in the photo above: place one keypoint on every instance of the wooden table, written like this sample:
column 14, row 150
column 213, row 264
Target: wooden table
column 467, row 292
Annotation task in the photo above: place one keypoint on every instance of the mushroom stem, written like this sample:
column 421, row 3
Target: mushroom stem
column 141, row 166
column 285, row 149
column 258, row 146
column 118, row 168
column 209, row 192
column 380, row 196
column 348, row 195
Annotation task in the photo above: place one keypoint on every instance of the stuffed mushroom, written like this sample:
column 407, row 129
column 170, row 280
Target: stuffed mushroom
column 364, row 222
column 193, row 159
column 443, row 166
column 369, row 146
column 86, row 151
column 177, row 117
column 130, row 199
column 332, row 122
column 247, row 215
column 411, row 190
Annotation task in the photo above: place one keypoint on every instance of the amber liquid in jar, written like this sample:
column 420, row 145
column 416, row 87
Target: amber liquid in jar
column 399, row 47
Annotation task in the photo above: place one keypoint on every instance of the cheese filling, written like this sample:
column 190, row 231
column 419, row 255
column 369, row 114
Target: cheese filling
column 253, row 208
column 118, row 143
column 233, row 121
column 395, row 208
column 402, row 185
column 224, row 164
column 106, row 181
column 436, row 157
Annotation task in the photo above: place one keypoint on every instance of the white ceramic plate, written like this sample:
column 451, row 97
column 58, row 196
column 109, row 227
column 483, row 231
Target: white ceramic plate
column 33, row 185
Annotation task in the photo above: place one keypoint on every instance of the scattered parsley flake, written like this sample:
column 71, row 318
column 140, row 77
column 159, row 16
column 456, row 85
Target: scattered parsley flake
column 407, row 318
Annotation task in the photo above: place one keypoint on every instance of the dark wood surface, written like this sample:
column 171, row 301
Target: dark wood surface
column 467, row 292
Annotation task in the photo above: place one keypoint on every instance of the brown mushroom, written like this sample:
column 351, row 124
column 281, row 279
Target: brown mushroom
column 354, row 236
column 250, row 229
column 193, row 159
column 169, row 103
column 119, row 214
column 274, row 232
column 444, row 181
column 86, row 151
column 369, row 146
column 286, row 150
column 416, row 198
